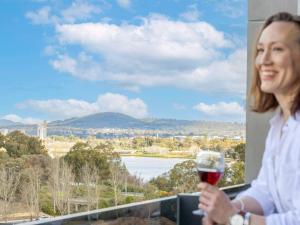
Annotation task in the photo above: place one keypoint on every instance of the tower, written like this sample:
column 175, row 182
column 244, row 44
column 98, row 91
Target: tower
column 42, row 131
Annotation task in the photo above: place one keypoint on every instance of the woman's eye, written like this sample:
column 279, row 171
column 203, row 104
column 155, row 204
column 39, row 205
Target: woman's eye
column 277, row 49
column 260, row 50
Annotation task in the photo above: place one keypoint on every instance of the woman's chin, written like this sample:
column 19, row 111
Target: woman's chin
column 266, row 89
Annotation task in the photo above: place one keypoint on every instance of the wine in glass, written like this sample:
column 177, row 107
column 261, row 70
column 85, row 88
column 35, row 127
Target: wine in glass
column 210, row 167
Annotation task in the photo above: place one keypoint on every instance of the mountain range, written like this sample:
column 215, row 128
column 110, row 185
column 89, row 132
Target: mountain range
column 121, row 121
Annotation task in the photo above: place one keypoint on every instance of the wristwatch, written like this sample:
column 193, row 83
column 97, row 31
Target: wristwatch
column 236, row 219
column 241, row 218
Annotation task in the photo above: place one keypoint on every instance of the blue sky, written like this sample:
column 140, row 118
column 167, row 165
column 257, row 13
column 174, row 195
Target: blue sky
column 182, row 59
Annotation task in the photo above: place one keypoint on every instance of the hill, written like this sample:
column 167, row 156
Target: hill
column 101, row 120
column 81, row 126
column 121, row 121
column 8, row 123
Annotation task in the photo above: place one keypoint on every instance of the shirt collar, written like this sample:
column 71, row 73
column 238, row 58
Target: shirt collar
column 294, row 120
column 291, row 122
column 276, row 118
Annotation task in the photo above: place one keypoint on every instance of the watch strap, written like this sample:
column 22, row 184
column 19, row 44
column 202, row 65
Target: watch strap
column 247, row 218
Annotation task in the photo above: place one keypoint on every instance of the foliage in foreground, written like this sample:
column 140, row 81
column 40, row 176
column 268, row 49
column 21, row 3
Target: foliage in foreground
column 93, row 175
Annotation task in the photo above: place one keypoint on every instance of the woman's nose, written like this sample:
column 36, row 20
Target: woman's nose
column 265, row 58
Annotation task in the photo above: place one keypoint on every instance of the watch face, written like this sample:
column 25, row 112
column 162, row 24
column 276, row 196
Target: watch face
column 236, row 220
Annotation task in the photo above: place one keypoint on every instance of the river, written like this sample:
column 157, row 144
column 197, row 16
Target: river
column 149, row 167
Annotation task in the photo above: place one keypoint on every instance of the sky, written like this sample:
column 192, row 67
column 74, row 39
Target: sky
column 180, row 59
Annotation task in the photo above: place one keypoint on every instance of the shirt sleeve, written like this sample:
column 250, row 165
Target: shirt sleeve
column 260, row 192
column 259, row 189
column 291, row 217
column 288, row 218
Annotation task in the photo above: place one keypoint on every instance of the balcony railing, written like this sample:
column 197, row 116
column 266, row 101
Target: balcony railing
column 174, row 210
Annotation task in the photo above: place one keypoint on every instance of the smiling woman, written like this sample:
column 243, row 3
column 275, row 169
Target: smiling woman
column 277, row 69
column 273, row 198
column 107, row 72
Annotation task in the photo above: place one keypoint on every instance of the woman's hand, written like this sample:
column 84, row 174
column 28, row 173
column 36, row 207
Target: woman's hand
column 215, row 203
column 207, row 221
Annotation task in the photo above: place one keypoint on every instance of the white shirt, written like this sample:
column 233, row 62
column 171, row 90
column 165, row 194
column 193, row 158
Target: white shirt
column 277, row 187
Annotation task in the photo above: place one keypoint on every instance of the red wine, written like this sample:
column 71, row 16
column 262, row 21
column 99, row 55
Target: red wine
column 210, row 176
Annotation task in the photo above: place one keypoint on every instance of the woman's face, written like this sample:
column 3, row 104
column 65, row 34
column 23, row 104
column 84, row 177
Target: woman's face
column 278, row 58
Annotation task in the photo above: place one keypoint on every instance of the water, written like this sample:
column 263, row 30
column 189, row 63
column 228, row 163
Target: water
column 147, row 167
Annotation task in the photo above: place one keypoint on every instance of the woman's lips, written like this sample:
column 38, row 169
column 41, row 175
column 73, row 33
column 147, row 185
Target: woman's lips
column 267, row 75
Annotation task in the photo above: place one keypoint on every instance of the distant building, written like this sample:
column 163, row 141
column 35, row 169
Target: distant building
column 42, row 131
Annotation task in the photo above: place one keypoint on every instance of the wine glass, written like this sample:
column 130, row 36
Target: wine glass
column 210, row 168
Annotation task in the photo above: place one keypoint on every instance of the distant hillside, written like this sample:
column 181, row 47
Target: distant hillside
column 102, row 120
column 8, row 123
column 122, row 121
column 118, row 120
column 80, row 126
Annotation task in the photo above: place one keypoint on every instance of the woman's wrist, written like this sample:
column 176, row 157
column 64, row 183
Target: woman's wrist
column 238, row 204
column 235, row 209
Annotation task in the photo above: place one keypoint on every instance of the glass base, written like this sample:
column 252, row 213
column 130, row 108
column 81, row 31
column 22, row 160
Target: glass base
column 198, row 212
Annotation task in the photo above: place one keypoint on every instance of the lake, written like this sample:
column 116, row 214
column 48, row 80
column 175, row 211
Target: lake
column 149, row 167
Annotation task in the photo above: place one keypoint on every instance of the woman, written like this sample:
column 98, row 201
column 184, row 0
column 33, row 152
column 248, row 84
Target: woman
column 274, row 197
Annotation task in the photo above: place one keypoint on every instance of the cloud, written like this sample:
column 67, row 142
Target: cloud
column 109, row 102
column 158, row 52
column 222, row 110
column 18, row 119
column 221, row 77
column 124, row 3
column 157, row 39
column 232, row 8
column 41, row 16
column 83, row 66
column 49, row 50
column 192, row 14
column 79, row 10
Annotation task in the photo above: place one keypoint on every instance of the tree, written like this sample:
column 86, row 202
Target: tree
column 162, row 183
column 240, row 152
column 117, row 172
column 81, row 146
column 90, row 179
column 9, row 181
column 40, row 162
column 82, row 154
column 66, row 188
column 183, row 176
column 2, row 140
column 235, row 174
column 238, row 173
column 150, row 191
column 54, row 180
column 61, row 186
column 30, row 190
column 18, row 144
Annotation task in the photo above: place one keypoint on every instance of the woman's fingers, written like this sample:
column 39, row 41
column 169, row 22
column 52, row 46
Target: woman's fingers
column 204, row 207
column 205, row 199
column 206, row 187
column 207, row 221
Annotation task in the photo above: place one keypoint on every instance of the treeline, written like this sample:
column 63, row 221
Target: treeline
column 92, row 175
column 174, row 144
column 171, row 144
column 86, row 178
